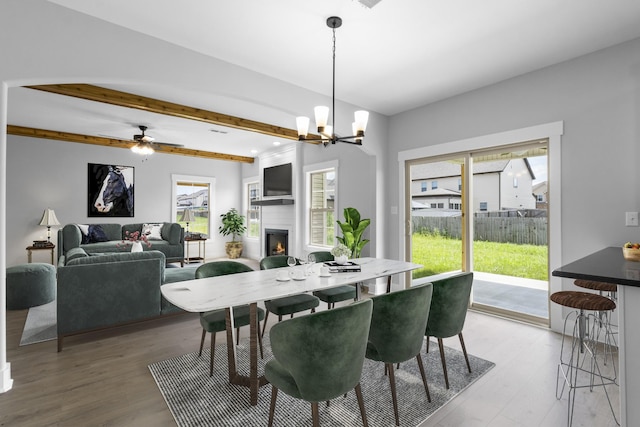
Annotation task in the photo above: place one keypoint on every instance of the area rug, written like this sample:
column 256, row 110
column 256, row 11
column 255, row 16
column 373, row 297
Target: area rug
column 40, row 325
column 195, row 399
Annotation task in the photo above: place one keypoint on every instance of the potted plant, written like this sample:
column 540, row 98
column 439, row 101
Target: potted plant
column 352, row 230
column 232, row 223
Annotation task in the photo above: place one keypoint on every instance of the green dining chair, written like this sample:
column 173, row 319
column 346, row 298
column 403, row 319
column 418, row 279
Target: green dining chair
column 448, row 313
column 333, row 295
column 285, row 305
column 215, row 321
column 317, row 359
column 397, row 332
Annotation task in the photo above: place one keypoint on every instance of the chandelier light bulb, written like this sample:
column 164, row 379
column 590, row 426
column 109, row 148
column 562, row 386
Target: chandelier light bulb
column 302, row 124
column 322, row 117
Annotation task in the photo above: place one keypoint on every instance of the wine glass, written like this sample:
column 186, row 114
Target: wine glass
column 311, row 260
column 291, row 261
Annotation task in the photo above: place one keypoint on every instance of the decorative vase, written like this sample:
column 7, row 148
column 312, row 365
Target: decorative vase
column 342, row 259
column 233, row 249
column 136, row 247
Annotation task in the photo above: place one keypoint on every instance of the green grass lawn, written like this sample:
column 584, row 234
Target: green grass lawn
column 439, row 254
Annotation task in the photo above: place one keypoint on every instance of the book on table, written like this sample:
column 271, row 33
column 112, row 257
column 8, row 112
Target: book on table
column 348, row 267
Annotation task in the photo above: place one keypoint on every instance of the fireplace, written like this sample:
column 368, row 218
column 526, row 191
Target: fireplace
column 276, row 242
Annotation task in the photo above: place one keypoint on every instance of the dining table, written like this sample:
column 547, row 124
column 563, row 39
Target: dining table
column 608, row 265
column 225, row 292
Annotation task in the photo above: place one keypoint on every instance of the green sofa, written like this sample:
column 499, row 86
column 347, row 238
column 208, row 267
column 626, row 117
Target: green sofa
column 97, row 291
column 170, row 241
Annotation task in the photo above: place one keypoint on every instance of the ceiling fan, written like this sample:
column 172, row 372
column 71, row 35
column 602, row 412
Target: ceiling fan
column 146, row 144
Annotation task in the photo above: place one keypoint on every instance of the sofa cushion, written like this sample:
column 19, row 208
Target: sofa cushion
column 75, row 253
column 152, row 231
column 119, row 257
column 172, row 233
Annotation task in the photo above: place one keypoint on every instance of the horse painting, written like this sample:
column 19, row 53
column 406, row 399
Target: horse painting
column 111, row 190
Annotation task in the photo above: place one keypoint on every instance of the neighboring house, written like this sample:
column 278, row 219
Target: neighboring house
column 497, row 185
column 194, row 200
column 540, row 192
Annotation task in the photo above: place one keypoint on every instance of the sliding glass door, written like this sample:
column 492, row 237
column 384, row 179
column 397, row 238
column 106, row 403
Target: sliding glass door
column 503, row 193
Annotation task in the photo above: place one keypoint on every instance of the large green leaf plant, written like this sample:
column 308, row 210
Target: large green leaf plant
column 352, row 229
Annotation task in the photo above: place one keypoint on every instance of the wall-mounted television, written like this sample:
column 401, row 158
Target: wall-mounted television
column 277, row 181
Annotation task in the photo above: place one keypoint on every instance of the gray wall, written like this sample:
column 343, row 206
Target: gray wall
column 43, row 173
column 597, row 96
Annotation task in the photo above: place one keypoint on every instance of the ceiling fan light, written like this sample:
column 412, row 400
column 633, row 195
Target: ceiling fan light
column 143, row 149
column 302, row 123
column 322, row 117
column 360, row 124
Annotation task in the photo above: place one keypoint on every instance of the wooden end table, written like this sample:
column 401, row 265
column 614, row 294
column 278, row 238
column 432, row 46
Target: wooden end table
column 201, row 249
column 48, row 247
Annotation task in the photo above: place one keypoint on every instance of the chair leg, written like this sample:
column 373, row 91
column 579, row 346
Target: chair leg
column 428, row 344
column 264, row 327
column 272, row 407
column 363, row 413
column 315, row 415
column 464, row 351
column 260, row 342
column 237, row 336
column 204, row 334
column 424, row 377
column 394, row 399
column 213, row 352
column 444, row 362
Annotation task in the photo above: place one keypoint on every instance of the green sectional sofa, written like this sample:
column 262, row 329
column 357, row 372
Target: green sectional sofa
column 97, row 291
column 104, row 238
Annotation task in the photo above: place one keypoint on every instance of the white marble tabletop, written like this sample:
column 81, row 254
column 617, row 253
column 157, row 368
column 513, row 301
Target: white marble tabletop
column 213, row 293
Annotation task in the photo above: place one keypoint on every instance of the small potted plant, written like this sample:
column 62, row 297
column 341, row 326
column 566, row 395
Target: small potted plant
column 341, row 253
column 233, row 223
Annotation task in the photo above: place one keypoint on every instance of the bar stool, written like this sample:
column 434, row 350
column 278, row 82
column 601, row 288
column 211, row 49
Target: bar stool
column 583, row 347
column 608, row 290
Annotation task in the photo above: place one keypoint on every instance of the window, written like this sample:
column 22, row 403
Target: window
column 483, row 206
column 253, row 212
column 434, row 185
column 194, row 197
column 440, row 205
column 459, row 184
column 423, row 186
column 322, row 195
column 540, row 198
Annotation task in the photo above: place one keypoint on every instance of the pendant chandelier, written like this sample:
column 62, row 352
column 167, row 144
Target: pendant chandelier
column 326, row 131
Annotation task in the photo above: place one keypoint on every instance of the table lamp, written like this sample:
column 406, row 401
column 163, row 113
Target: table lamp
column 187, row 216
column 49, row 219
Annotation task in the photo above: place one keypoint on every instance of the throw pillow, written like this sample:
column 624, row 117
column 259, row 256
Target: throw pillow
column 97, row 234
column 152, row 231
column 84, row 229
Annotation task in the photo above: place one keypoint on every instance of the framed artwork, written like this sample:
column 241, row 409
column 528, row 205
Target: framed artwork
column 111, row 190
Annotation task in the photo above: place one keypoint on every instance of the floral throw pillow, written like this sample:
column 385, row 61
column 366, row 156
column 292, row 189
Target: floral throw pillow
column 152, row 231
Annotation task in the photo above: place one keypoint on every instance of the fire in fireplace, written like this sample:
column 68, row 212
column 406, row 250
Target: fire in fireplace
column 276, row 242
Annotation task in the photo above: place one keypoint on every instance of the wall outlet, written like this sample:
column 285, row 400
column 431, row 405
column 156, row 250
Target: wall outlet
column 631, row 219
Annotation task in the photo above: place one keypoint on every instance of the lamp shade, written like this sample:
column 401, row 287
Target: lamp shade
column 187, row 216
column 49, row 218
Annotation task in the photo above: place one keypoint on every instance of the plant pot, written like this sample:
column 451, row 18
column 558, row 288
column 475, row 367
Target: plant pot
column 341, row 259
column 233, row 249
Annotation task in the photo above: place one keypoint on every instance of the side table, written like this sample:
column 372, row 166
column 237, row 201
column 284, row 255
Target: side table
column 201, row 249
column 49, row 247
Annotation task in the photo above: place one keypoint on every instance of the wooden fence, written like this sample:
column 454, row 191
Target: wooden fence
column 532, row 231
